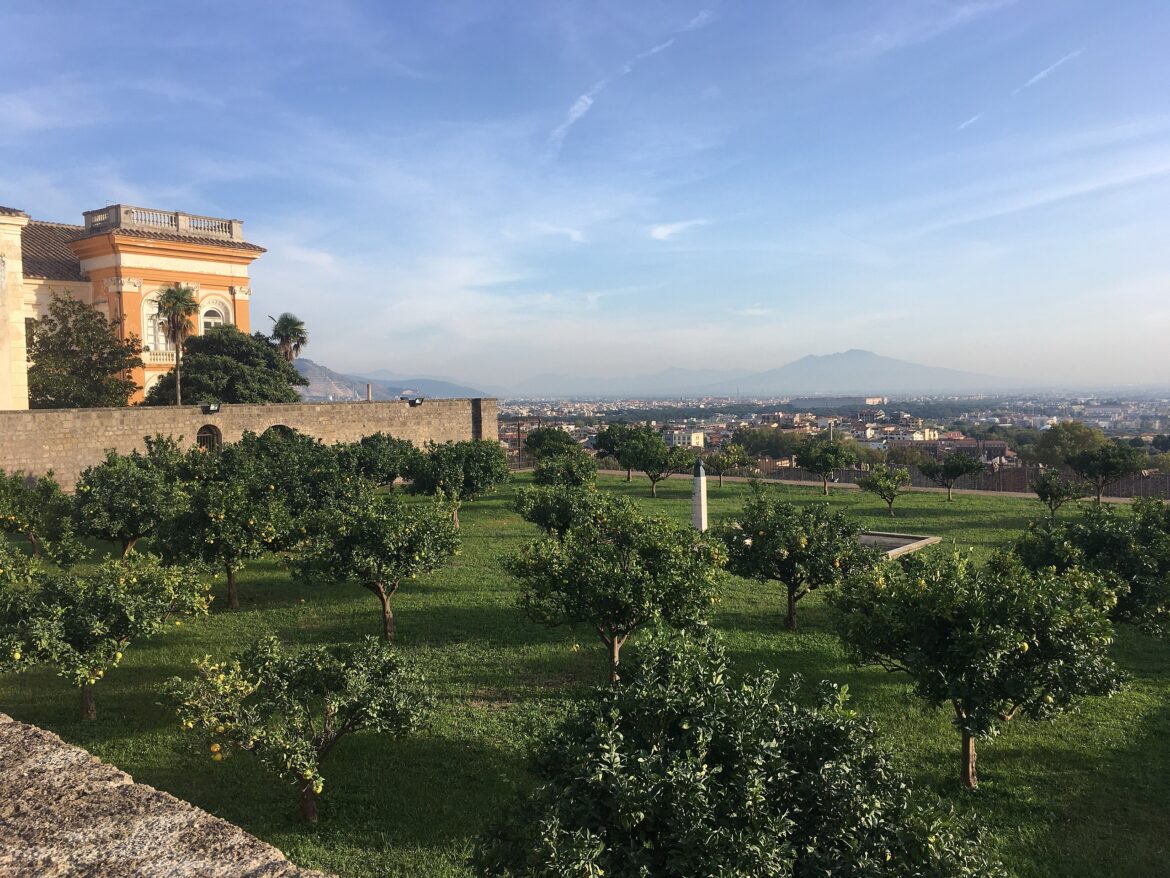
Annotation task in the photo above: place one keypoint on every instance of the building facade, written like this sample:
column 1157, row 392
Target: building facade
column 118, row 260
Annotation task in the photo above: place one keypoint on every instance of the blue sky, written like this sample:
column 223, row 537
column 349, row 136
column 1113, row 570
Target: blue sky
column 491, row 190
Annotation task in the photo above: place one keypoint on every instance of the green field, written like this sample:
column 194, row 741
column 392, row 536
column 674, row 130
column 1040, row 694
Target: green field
column 1088, row 795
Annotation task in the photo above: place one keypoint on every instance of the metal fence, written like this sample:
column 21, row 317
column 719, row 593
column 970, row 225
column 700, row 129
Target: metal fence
column 1012, row 479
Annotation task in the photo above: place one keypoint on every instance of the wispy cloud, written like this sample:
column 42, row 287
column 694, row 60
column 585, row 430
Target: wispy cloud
column 585, row 102
column 751, row 311
column 906, row 24
column 1042, row 75
column 666, row 231
column 701, row 20
column 1047, row 71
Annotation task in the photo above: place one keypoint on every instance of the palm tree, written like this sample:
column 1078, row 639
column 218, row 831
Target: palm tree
column 176, row 306
column 288, row 331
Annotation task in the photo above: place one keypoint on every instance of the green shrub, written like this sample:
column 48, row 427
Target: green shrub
column 681, row 771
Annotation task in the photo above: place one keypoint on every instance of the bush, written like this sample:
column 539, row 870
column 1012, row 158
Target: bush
column 680, row 771
column 574, row 468
column 378, row 458
column 556, row 509
column 1130, row 551
column 291, row 709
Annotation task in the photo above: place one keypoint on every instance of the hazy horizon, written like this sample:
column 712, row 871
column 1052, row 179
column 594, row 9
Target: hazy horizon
column 489, row 191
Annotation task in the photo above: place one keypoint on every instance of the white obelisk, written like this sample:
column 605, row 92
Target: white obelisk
column 699, row 497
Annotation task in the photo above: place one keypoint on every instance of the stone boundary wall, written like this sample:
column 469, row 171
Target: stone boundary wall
column 68, row 440
column 65, row 813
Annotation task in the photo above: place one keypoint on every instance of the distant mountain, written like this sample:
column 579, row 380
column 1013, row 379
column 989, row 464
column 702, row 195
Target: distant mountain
column 325, row 385
column 852, row 373
column 865, row 373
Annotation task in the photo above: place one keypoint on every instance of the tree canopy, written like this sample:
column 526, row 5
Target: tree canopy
column 617, row 570
column 1106, row 464
column 226, row 366
column 77, row 359
column 886, row 482
column 801, row 547
column 290, row 709
column 289, row 335
column 989, row 641
column 948, row 471
column 824, row 458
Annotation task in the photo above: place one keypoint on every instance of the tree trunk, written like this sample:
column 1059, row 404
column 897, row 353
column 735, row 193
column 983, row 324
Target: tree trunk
column 35, row 543
column 88, row 706
column 389, row 630
column 178, row 373
column 968, row 776
column 629, row 474
column 790, row 619
column 455, row 516
column 232, row 593
column 721, row 480
column 890, row 505
column 825, row 488
column 128, row 546
column 309, row 804
column 949, row 492
column 653, row 488
column 615, row 650
column 1100, row 491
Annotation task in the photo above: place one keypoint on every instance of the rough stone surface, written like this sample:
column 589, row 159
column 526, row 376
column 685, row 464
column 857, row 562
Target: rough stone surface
column 65, row 813
column 66, row 441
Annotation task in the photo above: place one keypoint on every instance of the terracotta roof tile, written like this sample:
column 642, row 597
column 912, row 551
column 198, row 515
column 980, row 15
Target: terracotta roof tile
column 11, row 211
column 46, row 251
column 171, row 236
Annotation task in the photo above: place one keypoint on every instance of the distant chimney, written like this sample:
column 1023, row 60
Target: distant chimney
column 369, row 393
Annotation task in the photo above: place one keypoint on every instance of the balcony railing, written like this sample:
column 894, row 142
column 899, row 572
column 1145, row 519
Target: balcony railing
column 126, row 216
column 158, row 358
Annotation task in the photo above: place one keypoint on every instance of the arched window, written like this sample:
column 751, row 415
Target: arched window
column 208, row 438
column 211, row 319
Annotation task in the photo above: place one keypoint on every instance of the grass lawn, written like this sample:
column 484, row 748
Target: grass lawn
column 1087, row 795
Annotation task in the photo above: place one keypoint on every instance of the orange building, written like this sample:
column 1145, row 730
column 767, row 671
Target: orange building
column 118, row 261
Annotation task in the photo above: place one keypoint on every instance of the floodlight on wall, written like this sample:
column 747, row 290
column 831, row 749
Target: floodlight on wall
column 211, row 408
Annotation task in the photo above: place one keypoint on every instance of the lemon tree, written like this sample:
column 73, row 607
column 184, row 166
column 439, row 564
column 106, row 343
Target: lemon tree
column 82, row 623
column 801, row 547
column 990, row 641
column 232, row 515
column 379, row 544
column 35, row 508
column 129, row 496
column 290, row 709
column 616, row 570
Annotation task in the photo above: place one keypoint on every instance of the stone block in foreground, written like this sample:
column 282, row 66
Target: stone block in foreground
column 63, row 813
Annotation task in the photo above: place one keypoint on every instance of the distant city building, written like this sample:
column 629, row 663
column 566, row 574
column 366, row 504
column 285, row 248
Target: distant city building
column 118, row 261
column 684, row 438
